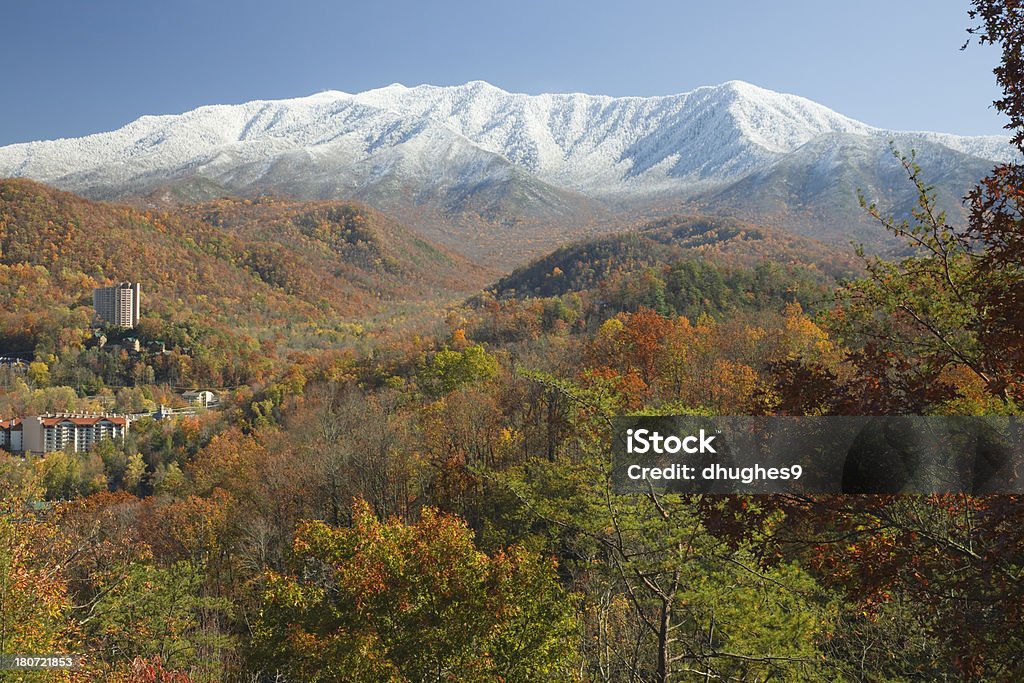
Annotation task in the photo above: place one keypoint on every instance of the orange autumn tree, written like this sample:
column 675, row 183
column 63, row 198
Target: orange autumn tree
column 35, row 607
column 721, row 366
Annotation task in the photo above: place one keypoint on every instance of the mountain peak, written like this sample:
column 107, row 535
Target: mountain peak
column 744, row 87
column 480, row 85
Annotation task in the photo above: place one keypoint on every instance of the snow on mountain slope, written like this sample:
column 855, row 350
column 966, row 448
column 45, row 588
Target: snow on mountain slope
column 593, row 143
column 431, row 140
column 582, row 140
column 215, row 141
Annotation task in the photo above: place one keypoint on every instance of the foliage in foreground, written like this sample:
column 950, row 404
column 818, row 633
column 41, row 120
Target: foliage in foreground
column 388, row 601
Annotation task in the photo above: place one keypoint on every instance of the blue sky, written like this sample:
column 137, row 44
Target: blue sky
column 74, row 67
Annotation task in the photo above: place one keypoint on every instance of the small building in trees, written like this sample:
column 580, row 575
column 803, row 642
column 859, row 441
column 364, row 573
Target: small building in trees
column 201, row 397
column 11, row 432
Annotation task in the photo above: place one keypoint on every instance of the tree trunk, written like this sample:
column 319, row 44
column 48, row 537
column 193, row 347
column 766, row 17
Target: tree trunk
column 663, row 640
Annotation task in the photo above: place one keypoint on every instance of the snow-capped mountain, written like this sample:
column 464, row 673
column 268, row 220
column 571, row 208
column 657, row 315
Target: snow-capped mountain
column 480, row 147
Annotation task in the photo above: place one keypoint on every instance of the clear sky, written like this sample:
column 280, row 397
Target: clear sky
column 76, row 67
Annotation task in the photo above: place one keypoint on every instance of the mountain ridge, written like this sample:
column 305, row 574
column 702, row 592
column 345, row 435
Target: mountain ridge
column 483, row 159
column 559, row 137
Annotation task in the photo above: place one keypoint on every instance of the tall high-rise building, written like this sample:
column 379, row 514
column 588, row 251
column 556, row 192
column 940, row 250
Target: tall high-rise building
column 118, row 304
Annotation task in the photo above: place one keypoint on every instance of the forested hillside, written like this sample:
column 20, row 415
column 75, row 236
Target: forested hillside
column 687, row 266
column 335, row 257
column 325, row 248
column 307, row 274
